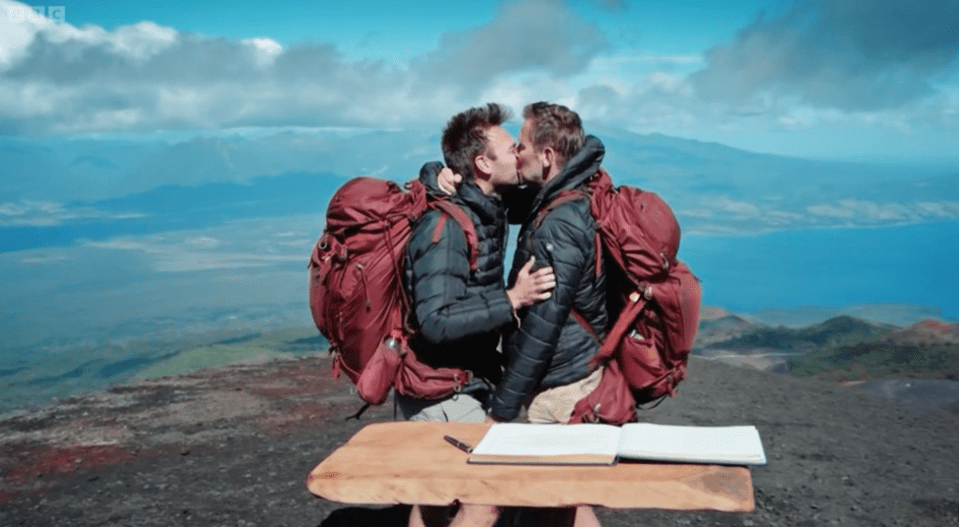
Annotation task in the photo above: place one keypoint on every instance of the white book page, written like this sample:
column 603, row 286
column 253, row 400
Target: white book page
column 703, row 444
column 523, row 439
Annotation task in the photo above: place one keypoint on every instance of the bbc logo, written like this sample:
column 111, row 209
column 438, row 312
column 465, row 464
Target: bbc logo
column 57, row 13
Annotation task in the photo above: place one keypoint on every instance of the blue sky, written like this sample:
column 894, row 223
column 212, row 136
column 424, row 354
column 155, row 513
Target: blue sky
column 836, row 78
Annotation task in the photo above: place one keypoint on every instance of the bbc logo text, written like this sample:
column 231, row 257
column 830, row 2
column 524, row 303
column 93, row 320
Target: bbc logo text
column 19, row 13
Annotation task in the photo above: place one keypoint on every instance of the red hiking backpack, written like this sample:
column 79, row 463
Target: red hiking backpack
column 356, row 291
column 653, row 297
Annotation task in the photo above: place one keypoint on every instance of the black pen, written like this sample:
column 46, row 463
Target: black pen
column 458, row 444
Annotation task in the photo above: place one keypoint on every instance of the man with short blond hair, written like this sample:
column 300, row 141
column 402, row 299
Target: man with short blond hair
column 549, row 368
column 556, row 127
column 549, row 354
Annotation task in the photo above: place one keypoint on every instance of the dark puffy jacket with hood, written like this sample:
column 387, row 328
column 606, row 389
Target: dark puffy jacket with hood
column 458, row 314
column 550, row 348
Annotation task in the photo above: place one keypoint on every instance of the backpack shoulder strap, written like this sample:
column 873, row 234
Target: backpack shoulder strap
column 569, row 196
column 451, row 210
column 562, row 198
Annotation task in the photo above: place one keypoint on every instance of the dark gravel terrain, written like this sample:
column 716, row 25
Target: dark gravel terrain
column 233, row 445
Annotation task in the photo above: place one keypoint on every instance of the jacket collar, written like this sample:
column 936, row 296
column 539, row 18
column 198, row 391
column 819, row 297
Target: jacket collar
column 488, row 208
column 428, row 177
column 576, row 172
column 469, row 195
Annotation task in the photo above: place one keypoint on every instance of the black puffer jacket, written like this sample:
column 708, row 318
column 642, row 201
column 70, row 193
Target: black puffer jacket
column 459, row 314
column 551, row 348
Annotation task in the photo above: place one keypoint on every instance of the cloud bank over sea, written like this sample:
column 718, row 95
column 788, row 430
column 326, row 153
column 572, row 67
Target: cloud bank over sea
column 794, row 78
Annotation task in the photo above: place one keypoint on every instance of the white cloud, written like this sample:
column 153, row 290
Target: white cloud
column 945, row 210
column 259, row 243
column 737, row 208
column 57, row 78
column 701, row 213
column 782, row 219
column 832, row 211
column 204, row 242
column 179, row 253
column 41, row 259
column 526, row 36
column 811, row 68
column 862, row 212
column 171, row 253
column 668, row 59
column 725, row 214
column 29, row 213
column 190, row 262
column 140, row 41
column 818, row 68
column 855, row 56
column 266, row 50
column 121, row 244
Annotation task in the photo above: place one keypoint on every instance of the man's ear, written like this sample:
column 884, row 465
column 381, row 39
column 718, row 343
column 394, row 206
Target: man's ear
column 482, row 165
column 548, row 157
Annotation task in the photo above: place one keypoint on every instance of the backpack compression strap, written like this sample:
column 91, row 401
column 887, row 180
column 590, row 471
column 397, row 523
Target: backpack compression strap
column 637, row 300
column 451, row 210
column 562, row 198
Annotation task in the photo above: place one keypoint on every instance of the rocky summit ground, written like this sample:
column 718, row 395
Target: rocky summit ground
column 232, row 446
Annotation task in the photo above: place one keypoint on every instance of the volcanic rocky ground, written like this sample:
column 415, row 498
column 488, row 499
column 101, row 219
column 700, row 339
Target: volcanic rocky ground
column 233, row 445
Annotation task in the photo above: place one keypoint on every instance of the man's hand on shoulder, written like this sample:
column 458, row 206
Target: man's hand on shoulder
column 449, row 181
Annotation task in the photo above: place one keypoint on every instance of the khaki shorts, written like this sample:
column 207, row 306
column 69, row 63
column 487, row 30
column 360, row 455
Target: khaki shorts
column 457, row 408
column 555, row 405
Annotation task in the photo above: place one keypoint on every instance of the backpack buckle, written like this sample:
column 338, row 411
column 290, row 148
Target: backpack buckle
column 459, row 384
column 643, row 291
column 592, row 416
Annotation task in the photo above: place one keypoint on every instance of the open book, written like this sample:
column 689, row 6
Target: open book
column 600, row 444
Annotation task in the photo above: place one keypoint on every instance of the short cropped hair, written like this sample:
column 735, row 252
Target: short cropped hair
column 464, row 137
column 556, row 126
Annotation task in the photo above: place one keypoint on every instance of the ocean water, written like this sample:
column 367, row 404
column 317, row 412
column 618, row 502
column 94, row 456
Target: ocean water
column 912, row 264
column 87, row 324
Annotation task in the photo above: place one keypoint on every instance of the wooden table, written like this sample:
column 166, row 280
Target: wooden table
column 409, row 462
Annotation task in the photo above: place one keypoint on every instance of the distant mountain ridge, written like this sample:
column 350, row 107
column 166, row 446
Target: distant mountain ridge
column 702, row 180
column 722, row 328
column 927, row 333
column 841, row 348
column 718, row 324
column 178, row 207
column 733, row 332
column 893, row 314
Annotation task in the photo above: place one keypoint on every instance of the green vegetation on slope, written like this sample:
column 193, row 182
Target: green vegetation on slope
column 843, row 330
column 35, row 376
column 254, row 346
column 848, row 349
column 878, row 360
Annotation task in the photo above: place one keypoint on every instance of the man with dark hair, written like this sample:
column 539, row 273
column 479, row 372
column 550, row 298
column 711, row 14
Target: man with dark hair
column 466, row 137
column 460, row 314
column 548, row 368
